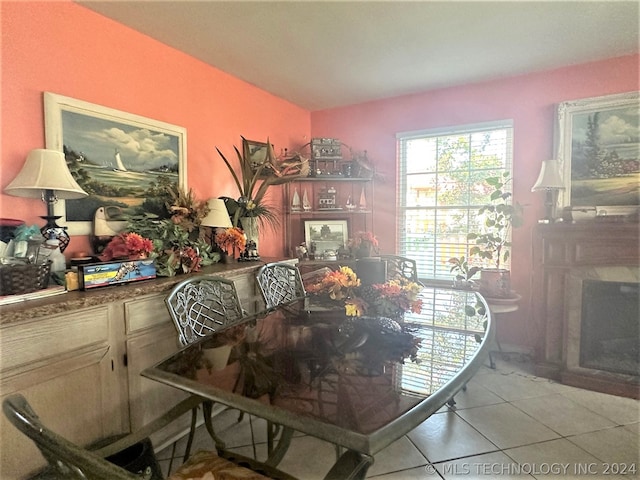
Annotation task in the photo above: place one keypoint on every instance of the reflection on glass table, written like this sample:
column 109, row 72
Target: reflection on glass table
column 360, row 383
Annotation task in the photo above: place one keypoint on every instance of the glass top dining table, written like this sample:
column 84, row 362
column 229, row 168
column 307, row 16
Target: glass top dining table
column 360, row 383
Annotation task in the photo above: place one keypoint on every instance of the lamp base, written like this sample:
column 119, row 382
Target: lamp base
column 53, row 231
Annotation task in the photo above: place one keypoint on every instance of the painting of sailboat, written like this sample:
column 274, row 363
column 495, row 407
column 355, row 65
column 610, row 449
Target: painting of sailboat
column 120, row 159
column 119, row 166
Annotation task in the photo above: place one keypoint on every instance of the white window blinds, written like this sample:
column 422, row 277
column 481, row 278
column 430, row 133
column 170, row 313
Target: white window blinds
column 441, row 186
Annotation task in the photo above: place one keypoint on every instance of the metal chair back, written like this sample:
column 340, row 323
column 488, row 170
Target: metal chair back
column 401, row 268
column 202, row 305
column 280, row 283
column 67, row 459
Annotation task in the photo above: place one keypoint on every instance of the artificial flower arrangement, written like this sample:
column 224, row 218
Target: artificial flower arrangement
column 390, row 299
column 372, row 309
column 174, row 232
column 129, row 245
column 231, row 240
column 336, row 284
column 362, row 244
column 360, row 237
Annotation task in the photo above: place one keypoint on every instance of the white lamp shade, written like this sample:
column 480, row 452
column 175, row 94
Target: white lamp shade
column 218, row 215
column 45, row 170
column 549, row 178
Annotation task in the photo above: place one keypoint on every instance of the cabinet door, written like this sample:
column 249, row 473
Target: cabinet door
column 151, row 337
column 63, row 366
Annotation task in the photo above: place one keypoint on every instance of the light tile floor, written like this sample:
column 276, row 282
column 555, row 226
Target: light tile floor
column 508, row 424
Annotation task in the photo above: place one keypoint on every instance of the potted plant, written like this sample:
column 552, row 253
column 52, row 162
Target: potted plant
column 464, row 272
column 493, row 241
column 253, row 181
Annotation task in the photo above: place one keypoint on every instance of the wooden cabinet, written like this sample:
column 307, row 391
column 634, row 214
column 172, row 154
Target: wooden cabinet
column 77, row 358
column 62, row 363
column 329, row 198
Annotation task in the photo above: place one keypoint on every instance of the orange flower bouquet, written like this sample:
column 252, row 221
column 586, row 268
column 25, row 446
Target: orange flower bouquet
column 337, row 285
column 231, row 239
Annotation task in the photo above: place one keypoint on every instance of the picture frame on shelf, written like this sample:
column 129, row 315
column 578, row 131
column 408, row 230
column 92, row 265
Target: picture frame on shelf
column 599, row 152
column 326, row 235
column 117, row 157
column 258, row 155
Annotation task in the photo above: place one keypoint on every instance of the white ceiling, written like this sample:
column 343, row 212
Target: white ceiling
column 323, row 54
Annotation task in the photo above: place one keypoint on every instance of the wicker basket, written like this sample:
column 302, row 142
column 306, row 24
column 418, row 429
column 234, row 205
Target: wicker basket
column 19, row 279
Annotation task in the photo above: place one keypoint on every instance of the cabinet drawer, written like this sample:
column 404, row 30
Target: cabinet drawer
column 145, row 312
column 44, row 338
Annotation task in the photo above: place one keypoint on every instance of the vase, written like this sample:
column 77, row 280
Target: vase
column 495, row 283
column 227, row 259
column 364, row 249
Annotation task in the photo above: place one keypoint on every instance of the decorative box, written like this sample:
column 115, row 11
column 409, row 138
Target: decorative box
column 115, row 273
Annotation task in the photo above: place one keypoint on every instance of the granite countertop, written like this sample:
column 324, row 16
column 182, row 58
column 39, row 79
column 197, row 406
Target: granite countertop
column 29, row 309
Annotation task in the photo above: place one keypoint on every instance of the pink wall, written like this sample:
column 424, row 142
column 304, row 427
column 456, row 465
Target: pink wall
column 67, row 49
column 529, row 100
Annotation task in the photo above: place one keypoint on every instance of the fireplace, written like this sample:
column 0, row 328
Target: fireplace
column 609, row 336
column 589, row 267
column 603, row 332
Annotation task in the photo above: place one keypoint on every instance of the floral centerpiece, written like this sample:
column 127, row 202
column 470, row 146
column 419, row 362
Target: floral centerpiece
column 372, row 311
column 231, row 240
column 390, row 299
column 129, row 245
column 336, row 284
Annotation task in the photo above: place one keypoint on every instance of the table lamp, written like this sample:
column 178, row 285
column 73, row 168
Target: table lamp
column 45, row 175
column 218, row 217
column 549, row 181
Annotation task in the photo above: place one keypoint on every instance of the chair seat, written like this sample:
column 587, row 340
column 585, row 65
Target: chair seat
column 210, row 466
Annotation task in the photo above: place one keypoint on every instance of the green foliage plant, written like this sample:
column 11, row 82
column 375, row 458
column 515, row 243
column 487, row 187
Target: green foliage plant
column 499, row 216
column 461, row 268
column 178, row 247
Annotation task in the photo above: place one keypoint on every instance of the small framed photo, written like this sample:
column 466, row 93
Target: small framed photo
column 257, row 152
column 599, row 150
column 326, row 234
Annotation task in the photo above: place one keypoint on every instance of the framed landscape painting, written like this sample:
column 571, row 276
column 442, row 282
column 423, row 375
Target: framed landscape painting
column 120, row 159
column 599, row 150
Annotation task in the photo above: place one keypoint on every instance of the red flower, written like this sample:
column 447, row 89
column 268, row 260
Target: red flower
column 127, row 245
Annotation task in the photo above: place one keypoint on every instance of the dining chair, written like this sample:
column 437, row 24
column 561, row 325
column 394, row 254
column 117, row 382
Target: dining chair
column 401, row 267
column 280, row 283
column 199, row 306
column 69, row 461
column 202, row 305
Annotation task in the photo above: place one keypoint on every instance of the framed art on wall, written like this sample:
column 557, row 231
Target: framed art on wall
column 326, row 234
column 598, row 141
column 118, row 158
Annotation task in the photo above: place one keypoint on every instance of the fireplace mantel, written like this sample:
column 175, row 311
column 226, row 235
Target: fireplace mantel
column 558, row 250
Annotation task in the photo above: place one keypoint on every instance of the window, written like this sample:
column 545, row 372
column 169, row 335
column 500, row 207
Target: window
column 441, row 186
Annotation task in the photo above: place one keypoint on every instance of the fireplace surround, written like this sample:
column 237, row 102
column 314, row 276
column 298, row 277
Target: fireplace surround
column 567, row 259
